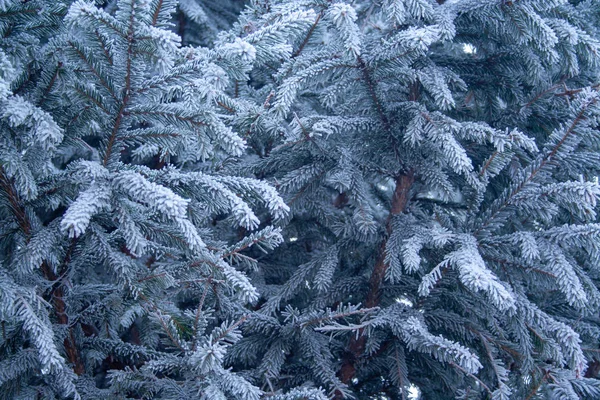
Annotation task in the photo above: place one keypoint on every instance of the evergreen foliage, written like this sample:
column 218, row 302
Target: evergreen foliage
column 121, row 273
column 294, row 199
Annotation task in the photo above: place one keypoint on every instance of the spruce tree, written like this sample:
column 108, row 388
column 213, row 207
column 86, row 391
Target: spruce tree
column 125, row 233
column 435, row 233
column 440, row 160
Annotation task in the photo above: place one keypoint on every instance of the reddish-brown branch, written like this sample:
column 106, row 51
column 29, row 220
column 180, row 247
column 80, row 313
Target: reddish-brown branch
column 190, row 120
column 104, row 48
column 316, row 321
column 113, row 134
column 60, row 308
column 580, row 117
column 15, row 203
column 231, row 329
column 149, row 135
column 58, row 301
column 464, row 371
column 242, row 248
column 103, row 82
column 488, row 163
column 356, row 346
column 373, row 93
column 226, row 107
column 51, row 83
column 514, row 264
column 151, row 307
column 157, row 12
column 542, row 94
column 399, row 203
column 400, row 200
column 372, row 89
column 125, row 102
column 308, row 35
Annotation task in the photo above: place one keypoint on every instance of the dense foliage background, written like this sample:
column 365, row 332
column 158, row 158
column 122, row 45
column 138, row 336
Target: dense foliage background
column 299, row 199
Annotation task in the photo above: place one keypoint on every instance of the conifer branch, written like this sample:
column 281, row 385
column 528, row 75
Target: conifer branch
column 479, row 381
column 542, row 94
column 373, row 93
column 127, row 90
column 104, row 45
column 368, row 295
column 226, row 107
column 399, row 372
column 537, row 386
column 190, row 120
column 103, row 82
column 159, row 316
column 308, row 35
column 230, row 329
column 199, row 311
column 491, row 358
column 57, row 294
column 157, row 12
column 48, row 88
column 15, row 203
column 107, row 23
column 488, row 163
column 91, row 99
column 19, row 11
column 524, row 267
column 546, row 159
column 400, row 201
column 356, row 345
column 338, row 316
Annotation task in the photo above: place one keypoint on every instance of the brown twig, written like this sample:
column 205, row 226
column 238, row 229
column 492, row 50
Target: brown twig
column 157, row 12
column 199, row 311
column 308, row 35
column 48, row 88
column 580, row 117
column 487, row 389
column 488, row 163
